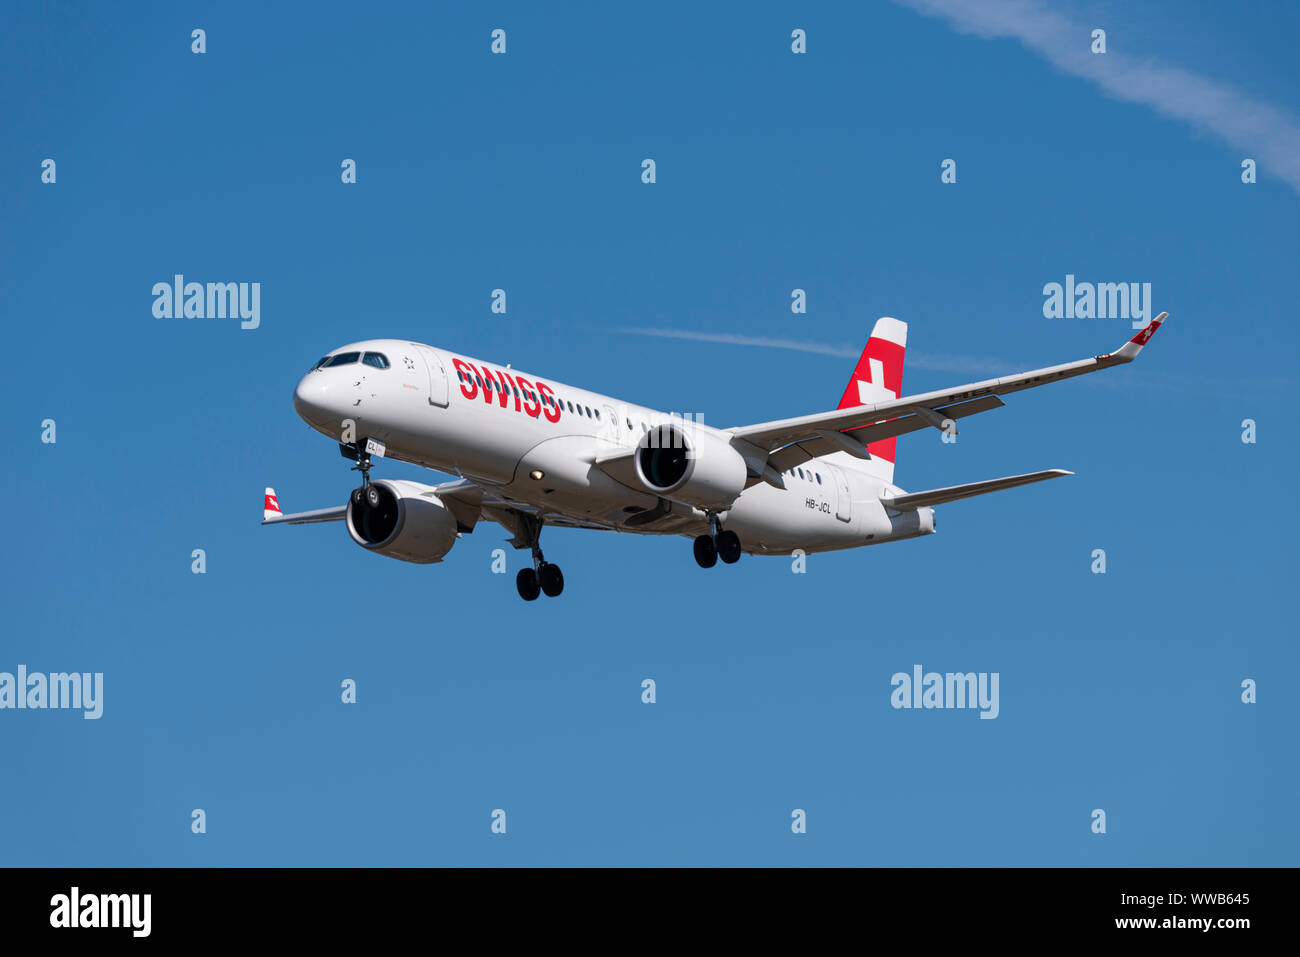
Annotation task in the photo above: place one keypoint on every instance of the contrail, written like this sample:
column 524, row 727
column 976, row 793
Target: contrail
column 1267, row 133
column 982, row 365
column 935, row 363
column 796, row 345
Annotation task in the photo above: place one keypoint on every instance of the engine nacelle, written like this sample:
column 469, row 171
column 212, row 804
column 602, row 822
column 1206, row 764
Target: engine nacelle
column 690, row 465
column 403, row 520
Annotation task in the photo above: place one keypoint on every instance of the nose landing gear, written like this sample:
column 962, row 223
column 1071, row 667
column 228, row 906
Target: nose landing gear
column 360, row 454
column 722, row 543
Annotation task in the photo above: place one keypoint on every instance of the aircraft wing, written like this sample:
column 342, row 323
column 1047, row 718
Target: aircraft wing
column 850, row 429
column 463, row 498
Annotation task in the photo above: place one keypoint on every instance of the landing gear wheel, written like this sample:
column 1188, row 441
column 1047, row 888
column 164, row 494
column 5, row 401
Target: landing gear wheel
column 706, row 553
column 526, row 582
column 729, row 547
column 551, row 579
column 372, row 496
column 358, row 496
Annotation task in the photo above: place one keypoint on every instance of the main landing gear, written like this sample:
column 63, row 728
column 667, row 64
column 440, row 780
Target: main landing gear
column 722, row 543
column 543, row 578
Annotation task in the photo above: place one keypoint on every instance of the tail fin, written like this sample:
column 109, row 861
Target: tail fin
column 270, row 505
column 877, row 378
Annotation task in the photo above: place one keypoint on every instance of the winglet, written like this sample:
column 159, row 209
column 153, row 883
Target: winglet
column 271, row 506
column 1129, row 351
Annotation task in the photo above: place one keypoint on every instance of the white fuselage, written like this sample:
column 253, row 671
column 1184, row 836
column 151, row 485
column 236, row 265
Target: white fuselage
column 436, row 409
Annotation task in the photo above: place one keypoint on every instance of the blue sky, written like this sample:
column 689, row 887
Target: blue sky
column 775, row 171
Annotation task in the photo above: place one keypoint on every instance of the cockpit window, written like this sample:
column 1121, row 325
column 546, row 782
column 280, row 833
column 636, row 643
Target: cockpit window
column 320, row 362
column 342, row 359
column 376, row 359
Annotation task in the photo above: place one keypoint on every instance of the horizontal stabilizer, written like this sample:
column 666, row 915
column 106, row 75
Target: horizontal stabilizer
column 800, row 452
column 271, row 514
column 938, row 496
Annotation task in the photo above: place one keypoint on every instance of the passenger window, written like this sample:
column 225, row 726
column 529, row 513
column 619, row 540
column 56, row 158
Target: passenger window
column 598, row 413
column 376, row 359
column 342, row 359
column 819, row 478
column 800, row 471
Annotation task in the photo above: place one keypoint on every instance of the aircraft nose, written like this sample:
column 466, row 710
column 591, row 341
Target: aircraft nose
column 309, row 399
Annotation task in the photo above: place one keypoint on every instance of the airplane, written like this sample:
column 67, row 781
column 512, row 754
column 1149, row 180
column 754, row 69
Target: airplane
column 531, row 452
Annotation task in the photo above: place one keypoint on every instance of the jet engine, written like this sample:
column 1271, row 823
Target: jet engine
column 690, row 465
column 403, row 520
